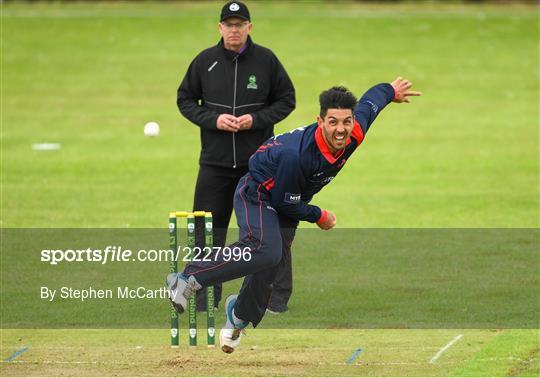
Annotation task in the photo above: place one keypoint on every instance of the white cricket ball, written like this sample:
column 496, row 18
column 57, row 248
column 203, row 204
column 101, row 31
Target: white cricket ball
column 151, row 129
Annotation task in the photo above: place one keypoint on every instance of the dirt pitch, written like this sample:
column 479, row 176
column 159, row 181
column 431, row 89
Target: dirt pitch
column 266, row 353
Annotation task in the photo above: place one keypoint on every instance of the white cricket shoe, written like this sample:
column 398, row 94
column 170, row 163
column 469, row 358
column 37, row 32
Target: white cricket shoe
column 230, row 334
column 180, row 289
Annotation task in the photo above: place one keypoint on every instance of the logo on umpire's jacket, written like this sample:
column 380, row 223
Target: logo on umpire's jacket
column 252, row 84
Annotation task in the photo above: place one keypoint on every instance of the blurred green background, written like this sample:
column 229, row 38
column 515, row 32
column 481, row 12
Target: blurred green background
column 89, row 76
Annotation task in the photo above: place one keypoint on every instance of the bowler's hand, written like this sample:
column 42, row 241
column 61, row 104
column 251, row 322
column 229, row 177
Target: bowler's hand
column 245, row 122
column 328, row 222
column 402, row 90
column 227, row 122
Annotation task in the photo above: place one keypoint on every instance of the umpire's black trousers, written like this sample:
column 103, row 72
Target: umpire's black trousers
column 214, row 192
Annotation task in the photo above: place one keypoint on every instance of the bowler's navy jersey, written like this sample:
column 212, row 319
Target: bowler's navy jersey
column 291, row 168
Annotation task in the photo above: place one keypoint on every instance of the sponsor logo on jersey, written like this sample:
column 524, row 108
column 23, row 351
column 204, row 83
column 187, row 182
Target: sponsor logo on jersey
column 292, row 198
column 327, row 180
column 374, row 106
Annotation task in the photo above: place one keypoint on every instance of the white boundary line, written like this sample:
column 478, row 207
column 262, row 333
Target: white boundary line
column 444, row 349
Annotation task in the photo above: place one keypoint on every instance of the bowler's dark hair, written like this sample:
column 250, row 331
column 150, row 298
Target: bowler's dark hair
column 336, row 98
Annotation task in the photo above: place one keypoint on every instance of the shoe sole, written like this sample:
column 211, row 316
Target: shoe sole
column 225, row 348
column 177, row 307
column 275, row 312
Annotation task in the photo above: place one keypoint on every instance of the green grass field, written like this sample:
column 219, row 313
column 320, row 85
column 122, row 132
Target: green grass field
column 465, row 155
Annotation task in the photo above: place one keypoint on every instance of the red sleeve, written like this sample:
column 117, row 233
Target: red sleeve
column 323, row 217
column 357, row 132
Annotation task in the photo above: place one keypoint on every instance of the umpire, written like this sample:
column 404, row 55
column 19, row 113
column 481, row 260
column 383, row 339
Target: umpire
column 235, row 92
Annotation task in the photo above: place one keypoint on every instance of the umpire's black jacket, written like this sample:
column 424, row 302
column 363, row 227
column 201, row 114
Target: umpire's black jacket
column 223, row 81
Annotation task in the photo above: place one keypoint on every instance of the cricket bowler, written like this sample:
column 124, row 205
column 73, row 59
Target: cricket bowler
column 284, row 175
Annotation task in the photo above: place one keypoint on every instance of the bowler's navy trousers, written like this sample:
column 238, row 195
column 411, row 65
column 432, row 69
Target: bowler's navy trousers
column 266, row 235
